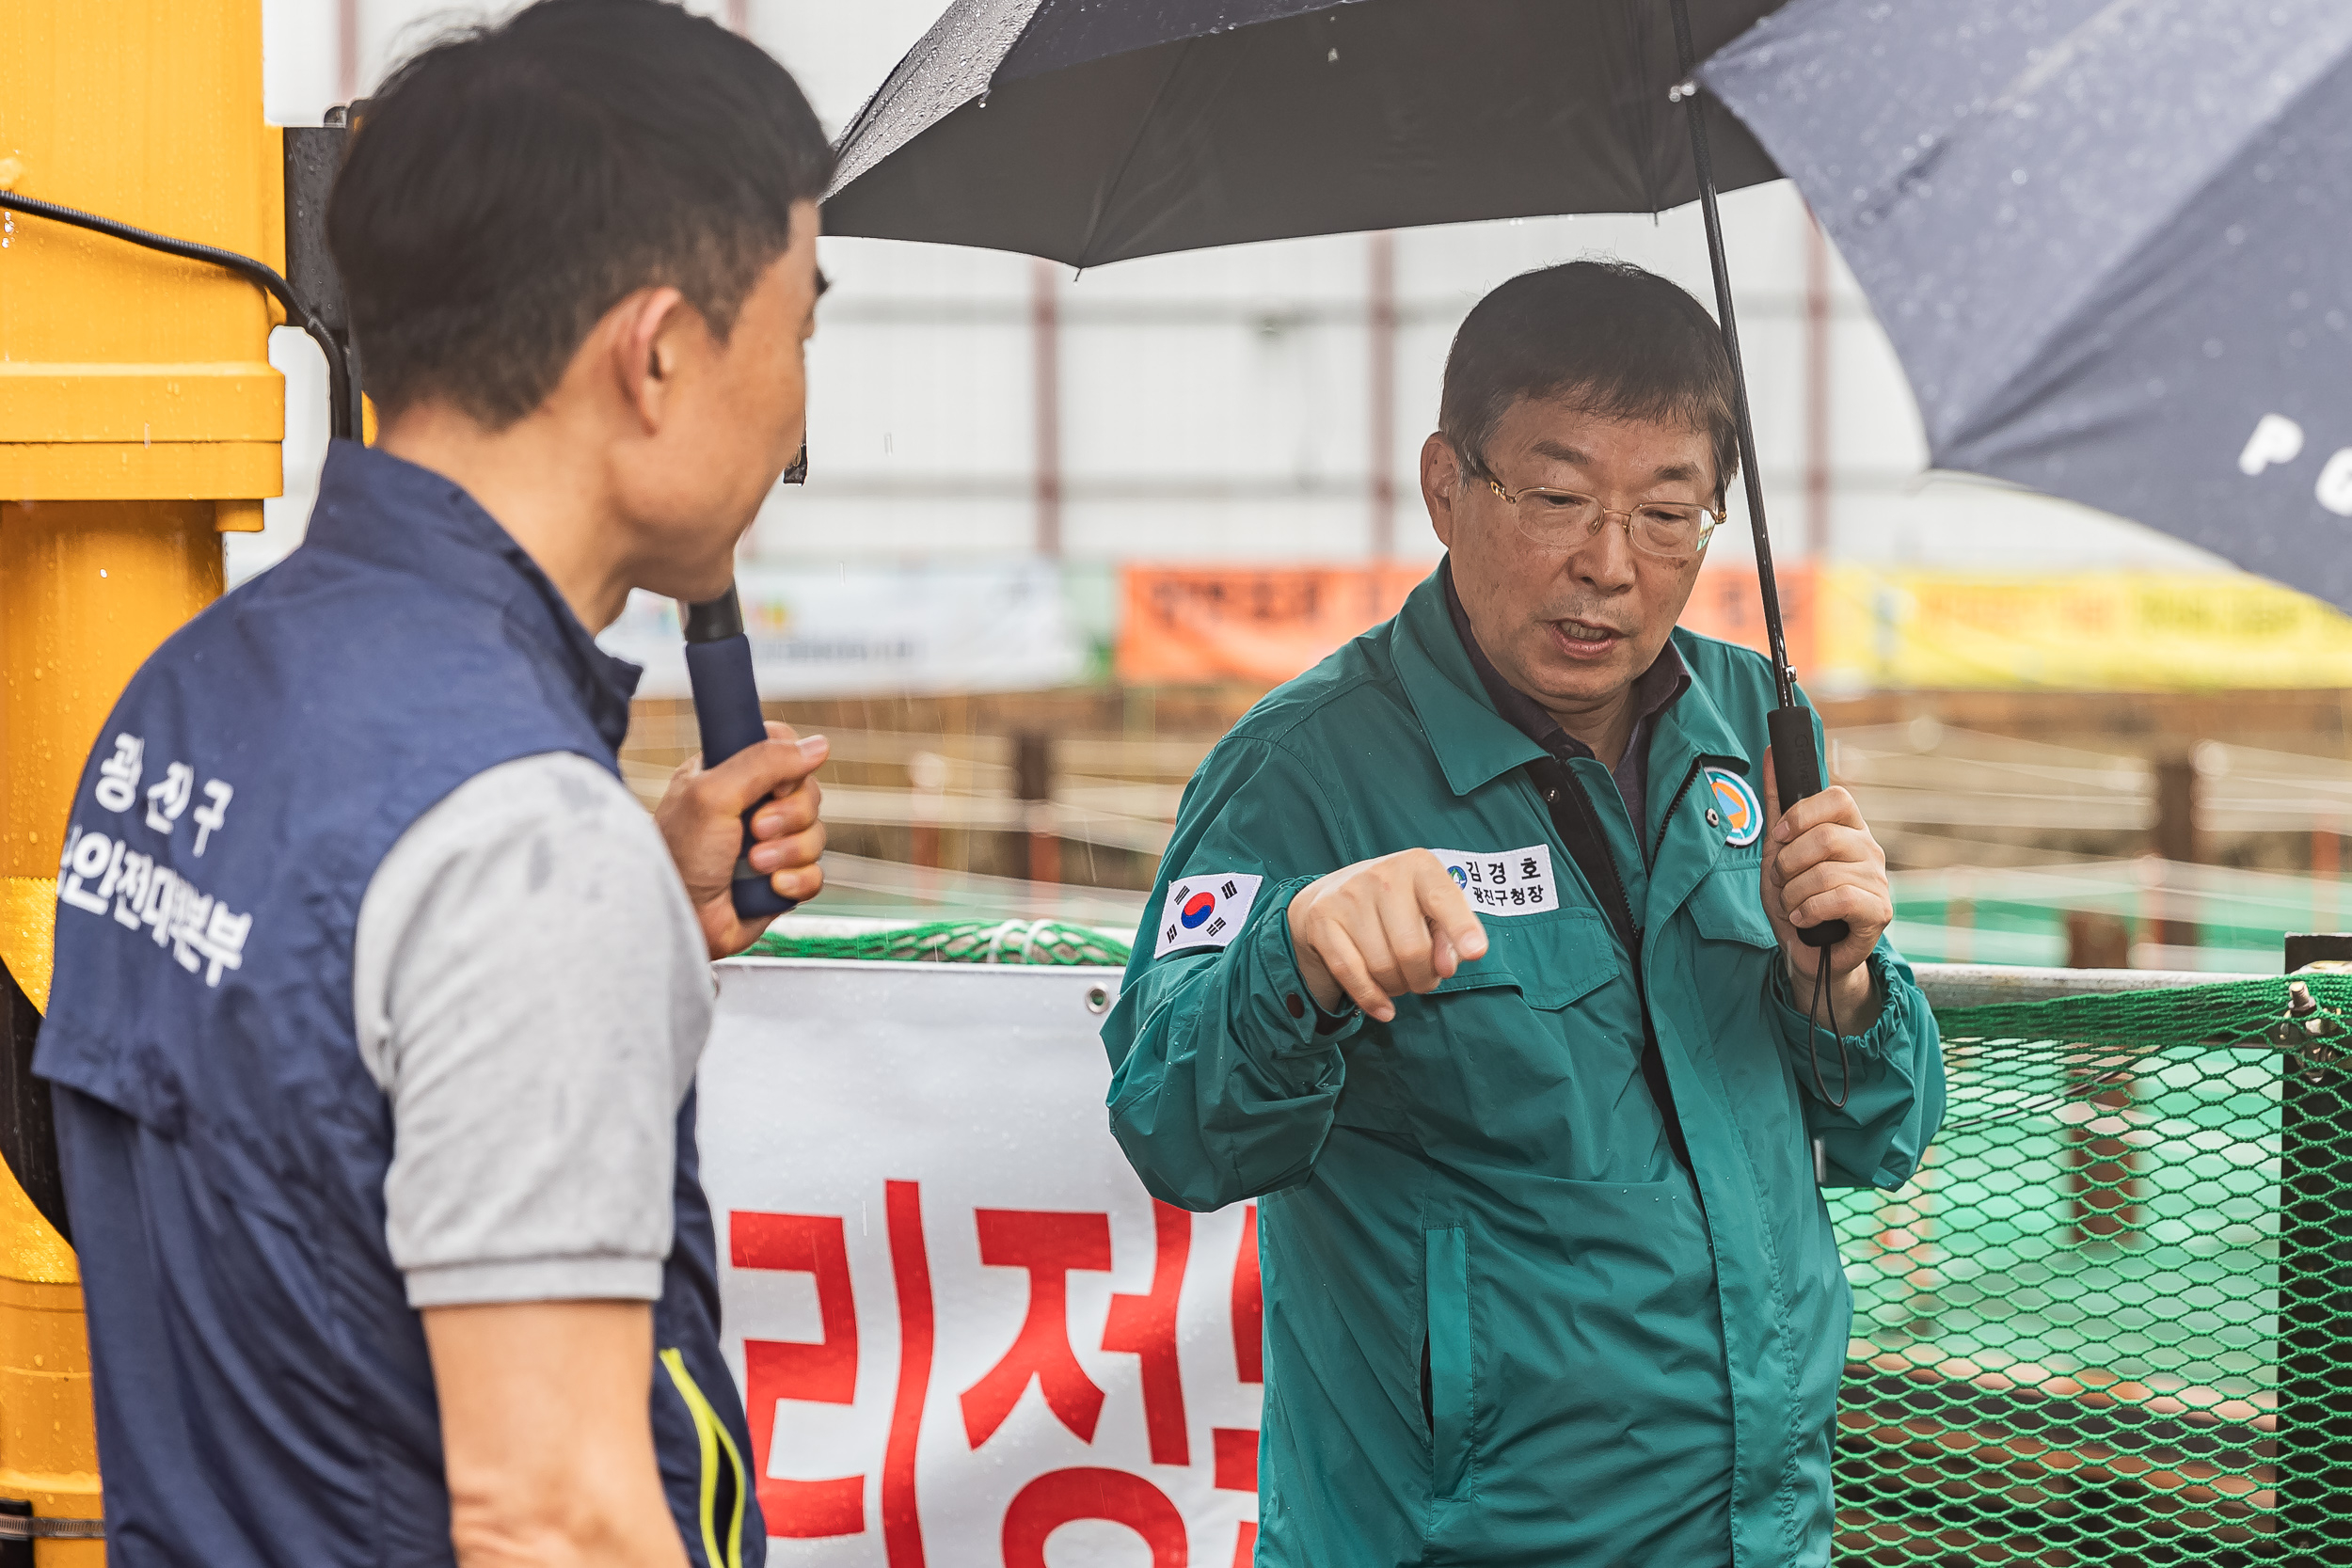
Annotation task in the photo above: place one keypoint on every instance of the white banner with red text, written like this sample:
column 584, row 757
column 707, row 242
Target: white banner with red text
column 961, row 1327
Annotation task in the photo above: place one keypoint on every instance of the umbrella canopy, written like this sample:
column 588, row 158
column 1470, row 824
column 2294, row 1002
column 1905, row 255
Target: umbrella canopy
column 2108, row 239
column 1088, row 131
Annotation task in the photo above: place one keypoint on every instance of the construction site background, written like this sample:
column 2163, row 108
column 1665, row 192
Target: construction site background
column 1060, row 529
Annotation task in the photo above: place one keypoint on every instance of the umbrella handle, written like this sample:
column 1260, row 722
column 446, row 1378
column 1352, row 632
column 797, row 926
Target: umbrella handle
column 726, row 710
column 1797, row 772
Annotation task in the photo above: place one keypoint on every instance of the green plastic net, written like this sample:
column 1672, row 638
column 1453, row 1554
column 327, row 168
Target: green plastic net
column 964, row 942
column 2110, row 1320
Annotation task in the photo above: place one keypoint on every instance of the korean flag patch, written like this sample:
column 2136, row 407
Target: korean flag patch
column 1741, row 813
column 1205, row 910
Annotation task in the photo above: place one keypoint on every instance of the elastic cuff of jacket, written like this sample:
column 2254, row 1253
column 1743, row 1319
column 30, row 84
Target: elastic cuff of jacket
column 1892, row 1025
column 521, row 1279
column 1283, row 1005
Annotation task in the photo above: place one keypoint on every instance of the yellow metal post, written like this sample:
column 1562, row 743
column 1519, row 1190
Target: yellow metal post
column 139, row 416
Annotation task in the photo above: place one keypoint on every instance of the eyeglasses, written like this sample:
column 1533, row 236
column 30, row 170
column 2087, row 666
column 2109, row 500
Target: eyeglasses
column 1563, row 520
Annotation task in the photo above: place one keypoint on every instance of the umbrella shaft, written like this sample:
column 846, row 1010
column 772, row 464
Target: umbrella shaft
column 1702, row 165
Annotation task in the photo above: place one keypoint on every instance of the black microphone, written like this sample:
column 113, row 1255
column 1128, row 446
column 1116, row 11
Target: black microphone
column 727, row 709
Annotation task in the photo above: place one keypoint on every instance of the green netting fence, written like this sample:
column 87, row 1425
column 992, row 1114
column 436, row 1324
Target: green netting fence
column 2109, row 1323
column 2110, row 1320
column 969, row 942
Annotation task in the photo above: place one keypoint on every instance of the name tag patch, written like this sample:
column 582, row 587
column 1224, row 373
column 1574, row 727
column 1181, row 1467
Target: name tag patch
column 1504, row 881
column 1206, row 910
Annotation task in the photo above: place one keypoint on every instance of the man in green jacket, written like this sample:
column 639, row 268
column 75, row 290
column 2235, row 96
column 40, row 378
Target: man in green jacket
column 1475, row 959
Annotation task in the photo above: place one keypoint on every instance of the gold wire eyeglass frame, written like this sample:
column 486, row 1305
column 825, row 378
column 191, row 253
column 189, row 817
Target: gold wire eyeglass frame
column 1602, row 515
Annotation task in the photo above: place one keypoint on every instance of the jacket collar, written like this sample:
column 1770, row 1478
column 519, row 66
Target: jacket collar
column 1474, row 744
column 378, row 509
column 1654, row 690
column 1692, row 729
column 1682, row 846
column 1691, row 734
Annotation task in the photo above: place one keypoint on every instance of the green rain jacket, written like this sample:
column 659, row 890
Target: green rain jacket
column 1503, row 1324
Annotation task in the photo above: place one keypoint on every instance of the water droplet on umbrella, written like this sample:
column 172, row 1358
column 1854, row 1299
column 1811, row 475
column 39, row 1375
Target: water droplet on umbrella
column 1332, row 59
column 2017, row 177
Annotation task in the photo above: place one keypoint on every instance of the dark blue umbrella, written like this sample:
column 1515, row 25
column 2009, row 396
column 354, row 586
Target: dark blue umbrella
column 2110, row 238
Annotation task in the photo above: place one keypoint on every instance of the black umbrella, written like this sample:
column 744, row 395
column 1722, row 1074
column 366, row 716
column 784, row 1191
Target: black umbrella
column 1089, row 131
column 2108, row 241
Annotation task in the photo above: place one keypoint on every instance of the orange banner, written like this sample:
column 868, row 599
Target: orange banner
column 1263, row 625
column 1726, row 602
column 1849, row 627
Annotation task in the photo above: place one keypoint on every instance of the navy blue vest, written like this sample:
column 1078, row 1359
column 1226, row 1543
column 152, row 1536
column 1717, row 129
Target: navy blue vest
column 263, row 1394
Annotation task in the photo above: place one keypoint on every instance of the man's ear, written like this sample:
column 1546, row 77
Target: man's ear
column 1440, row 484
column 645, row 349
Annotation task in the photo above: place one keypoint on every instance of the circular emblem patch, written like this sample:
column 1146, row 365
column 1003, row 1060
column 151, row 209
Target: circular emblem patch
column 1743, row 813
column 1198, row 908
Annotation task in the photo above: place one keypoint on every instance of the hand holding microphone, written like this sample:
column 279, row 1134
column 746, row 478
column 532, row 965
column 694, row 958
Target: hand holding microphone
column 742, row 819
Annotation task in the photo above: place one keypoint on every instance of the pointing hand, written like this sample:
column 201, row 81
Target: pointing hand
column 1380, row 929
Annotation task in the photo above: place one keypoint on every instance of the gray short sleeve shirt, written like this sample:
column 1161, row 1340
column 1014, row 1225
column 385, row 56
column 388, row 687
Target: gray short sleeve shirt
column 532, row 992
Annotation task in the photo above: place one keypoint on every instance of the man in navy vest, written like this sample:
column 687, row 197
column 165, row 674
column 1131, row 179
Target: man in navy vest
column 379, row 998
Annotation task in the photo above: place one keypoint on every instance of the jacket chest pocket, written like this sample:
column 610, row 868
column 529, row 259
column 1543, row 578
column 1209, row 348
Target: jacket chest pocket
column 1552, row 960
column 1728, row 905
column 1484, row 1060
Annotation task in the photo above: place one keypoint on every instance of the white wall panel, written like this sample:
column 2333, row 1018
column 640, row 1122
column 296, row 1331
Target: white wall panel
column 1237, row 526
column 869, row 274
column 919, row 402
column 1205, row 401
column 838, row 523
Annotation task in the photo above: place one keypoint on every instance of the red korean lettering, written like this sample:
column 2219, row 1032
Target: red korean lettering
column 911, row 1267
column 1145, row 1326
column 823, row 1372
column 1122, row 1496
column 1248, row 1303
column 1237, row 1471
column 1236, row 1458
column 1049, row 1246
column 1235, row 1448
